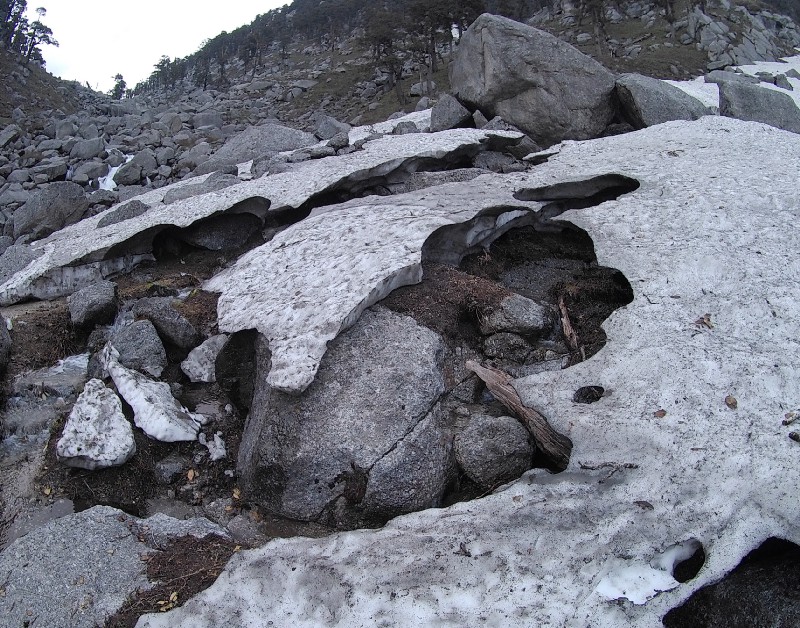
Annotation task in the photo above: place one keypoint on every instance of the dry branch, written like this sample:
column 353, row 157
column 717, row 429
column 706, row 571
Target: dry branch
column 555, row 446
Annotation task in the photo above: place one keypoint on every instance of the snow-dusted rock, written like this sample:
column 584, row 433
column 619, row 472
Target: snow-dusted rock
column 711, row 231
column 97, row 435
column 155, row 410
column 51, row 274
column 199, row 364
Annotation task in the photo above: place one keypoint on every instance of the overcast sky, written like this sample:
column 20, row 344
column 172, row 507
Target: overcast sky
column 100, row 38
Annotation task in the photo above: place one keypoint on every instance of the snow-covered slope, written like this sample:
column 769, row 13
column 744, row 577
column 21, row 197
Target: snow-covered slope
column 686, row 445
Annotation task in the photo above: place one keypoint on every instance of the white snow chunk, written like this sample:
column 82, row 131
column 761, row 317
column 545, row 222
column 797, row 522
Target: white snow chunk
column 199, row 364
column 711, row 230
column 97, row 434
column 216, row 447
column 155, row 410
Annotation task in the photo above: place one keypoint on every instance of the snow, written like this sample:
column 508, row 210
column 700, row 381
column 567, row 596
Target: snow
column 155, row 410
column 712, row 229
column 352, row 256
column 215, row 446
column 51, row 274
column 708, row 93
column 97, row 434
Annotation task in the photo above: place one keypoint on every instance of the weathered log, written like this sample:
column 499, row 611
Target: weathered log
column 557, row 447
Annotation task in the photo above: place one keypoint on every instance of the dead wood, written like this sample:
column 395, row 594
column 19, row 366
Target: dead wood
column 555, row 446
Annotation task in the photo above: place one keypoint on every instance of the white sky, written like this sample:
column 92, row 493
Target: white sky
column 100, row 38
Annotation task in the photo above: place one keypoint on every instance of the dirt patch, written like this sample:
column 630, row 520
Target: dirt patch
column 448, row 301
column 553, row 263
column 183, row 569
column 41, row 335
column 130, row 486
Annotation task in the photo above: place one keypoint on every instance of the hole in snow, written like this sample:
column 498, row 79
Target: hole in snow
column 584, row 193
column 761, row 591
column 550, row 263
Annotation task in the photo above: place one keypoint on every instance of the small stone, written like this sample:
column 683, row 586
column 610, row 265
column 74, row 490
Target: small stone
column 493, row 450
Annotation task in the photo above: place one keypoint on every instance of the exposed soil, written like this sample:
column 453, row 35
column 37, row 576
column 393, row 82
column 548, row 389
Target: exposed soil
column 554, row 263
column 448, row 301
column 41, row 335
column 184, row 568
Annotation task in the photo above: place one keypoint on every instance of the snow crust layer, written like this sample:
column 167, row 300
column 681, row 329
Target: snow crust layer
column 313, row 280
column 711, row 231
column 155, row 410
column 87, row 242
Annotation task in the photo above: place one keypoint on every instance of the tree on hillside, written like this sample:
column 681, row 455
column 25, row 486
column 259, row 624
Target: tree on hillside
column 38, row 33
column 118, row 91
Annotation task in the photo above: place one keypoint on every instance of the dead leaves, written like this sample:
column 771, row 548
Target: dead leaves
column 660, row 414
column 191, row 474
column 704, row 322
column 731, row 402
column 165, row 605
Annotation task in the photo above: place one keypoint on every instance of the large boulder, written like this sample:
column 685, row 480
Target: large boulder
column 257, row 141
column 759, row 104
column 647, row 101
column 533, row 80
column 365, row 441
column 50, row 209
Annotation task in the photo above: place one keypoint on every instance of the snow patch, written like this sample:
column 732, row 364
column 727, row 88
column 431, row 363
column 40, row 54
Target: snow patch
column 97, row 434
column 199, row 364
column 155, row 410
column 216, row 446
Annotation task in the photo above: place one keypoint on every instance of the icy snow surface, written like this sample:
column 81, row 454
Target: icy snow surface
column 87, row 242
column 712, row 230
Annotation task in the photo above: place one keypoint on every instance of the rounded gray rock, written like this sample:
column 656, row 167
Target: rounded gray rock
column 140, row 348
column 93, row 305
column 493, row 450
